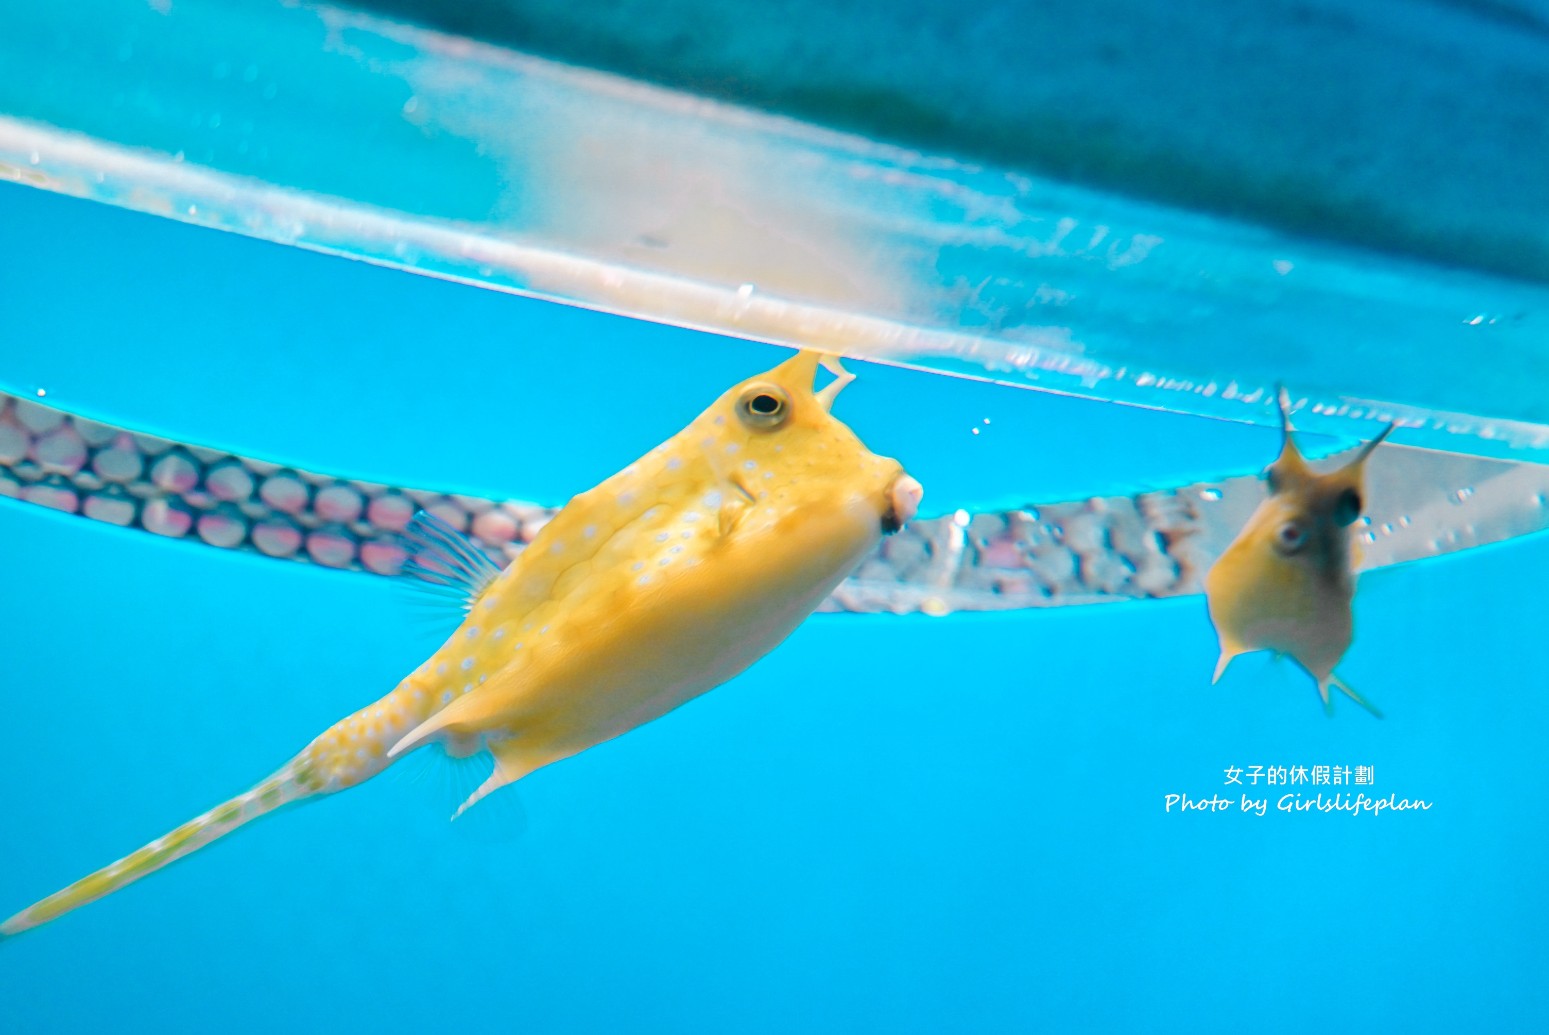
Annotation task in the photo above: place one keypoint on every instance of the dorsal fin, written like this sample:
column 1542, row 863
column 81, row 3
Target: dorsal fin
column 446, row 562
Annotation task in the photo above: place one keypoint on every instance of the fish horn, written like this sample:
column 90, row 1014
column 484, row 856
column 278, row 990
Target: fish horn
column 1366, row 450
column 842, row 377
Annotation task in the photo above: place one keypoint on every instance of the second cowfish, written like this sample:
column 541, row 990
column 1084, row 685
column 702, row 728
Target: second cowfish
column 665, row 581
column 1286, row 582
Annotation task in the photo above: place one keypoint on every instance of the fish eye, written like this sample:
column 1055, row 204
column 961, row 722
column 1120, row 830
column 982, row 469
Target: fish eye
column 1347, row 508
column 763, row 406
column 1290, row 537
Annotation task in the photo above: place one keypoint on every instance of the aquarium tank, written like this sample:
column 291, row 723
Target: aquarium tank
column 696, row 517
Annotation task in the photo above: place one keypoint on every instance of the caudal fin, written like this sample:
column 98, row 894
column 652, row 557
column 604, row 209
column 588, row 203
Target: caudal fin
column 290, row 784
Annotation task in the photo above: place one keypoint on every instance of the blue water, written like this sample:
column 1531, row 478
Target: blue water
column 889, row 825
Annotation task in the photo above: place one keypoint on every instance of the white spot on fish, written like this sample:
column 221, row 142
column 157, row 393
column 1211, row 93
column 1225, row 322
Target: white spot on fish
column 557, row 546
column 676, row 549
column 689, row 517
column 750, row 465
column 441, row 669
column 625, row 498
column 637, row 566
column 483, row 678
column 500, row 633
column 643, row 580
column 473, row 632
column 711, row 500
column 661, row 537
column 731, row 447
column 468, row 687
column 674, row 464
column 589, row 531
column 467, row 664
column 446, row 698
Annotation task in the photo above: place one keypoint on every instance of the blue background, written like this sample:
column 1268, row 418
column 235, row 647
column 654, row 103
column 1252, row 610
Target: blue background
column 890, row 824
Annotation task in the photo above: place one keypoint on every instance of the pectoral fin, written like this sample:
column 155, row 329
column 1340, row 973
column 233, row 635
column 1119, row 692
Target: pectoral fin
column 736, row 498
column 734, row 506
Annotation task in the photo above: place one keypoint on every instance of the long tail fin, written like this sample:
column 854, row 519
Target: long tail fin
column 349, row 752
column 292, row 783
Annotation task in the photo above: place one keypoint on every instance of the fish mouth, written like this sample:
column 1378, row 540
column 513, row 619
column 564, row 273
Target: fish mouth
column 903, row 501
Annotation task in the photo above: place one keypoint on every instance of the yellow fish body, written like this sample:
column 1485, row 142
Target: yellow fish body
column 663, row 582
column 1287, row 581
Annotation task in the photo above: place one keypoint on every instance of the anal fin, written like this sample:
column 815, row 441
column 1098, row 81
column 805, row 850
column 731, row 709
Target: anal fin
column 438, row 780
column 467, row 715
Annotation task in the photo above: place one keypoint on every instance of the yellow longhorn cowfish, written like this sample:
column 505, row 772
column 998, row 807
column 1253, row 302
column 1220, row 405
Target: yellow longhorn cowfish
column 1286, row 582
column 661, row 583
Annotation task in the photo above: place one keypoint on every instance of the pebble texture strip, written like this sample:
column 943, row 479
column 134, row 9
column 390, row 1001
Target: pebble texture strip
column 1108, row 548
